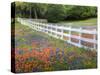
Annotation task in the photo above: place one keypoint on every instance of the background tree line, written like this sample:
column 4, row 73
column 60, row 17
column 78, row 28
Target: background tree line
column 53, row 12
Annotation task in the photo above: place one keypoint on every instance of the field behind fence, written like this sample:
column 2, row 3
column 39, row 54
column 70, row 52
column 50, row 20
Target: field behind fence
column 77, row 36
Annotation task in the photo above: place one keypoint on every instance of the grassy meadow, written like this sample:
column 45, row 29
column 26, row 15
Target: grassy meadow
column 37, row 52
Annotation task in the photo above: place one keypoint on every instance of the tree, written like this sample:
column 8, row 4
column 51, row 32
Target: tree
column 81, row 12
column 55, row 13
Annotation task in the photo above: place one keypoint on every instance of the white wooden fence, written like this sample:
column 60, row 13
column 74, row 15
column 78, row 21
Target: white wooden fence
column 59, row 32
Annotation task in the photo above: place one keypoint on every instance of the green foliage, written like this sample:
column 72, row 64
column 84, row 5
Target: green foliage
column 53, row 12
column 80, row 12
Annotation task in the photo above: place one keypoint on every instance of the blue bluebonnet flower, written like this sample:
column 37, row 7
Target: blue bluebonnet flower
column 57, row 50
column 35, row 70
column 51, row 54
column 21, row 52
column 63, row 53
column 57, row 53
column 30, row 59
column 64, row 56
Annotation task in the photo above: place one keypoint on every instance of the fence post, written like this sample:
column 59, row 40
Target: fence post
column 47, row 28
column 80, row 36
column 56, row 31
column 94, row 38
column 62, row 33
column 51, row 29
column 69, row 34
column 33, row 26
column 38, row 26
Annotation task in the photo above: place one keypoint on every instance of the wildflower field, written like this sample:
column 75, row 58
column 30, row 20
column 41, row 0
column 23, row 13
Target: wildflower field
column 37, row 52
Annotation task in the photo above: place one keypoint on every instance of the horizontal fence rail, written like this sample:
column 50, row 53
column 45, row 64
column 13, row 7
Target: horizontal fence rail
column 79, row 37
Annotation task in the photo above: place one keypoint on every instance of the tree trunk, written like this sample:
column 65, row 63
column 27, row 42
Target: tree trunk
column 35, row 13
column 30, row 12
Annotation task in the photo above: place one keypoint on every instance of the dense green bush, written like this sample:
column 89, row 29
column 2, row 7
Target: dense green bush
column 55, row 13
column 80, row 12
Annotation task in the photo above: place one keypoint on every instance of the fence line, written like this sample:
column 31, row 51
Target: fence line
column 58, row 32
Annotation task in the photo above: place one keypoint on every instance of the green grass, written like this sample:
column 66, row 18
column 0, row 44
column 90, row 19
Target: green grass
column 53, row 41
column 86, row 22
